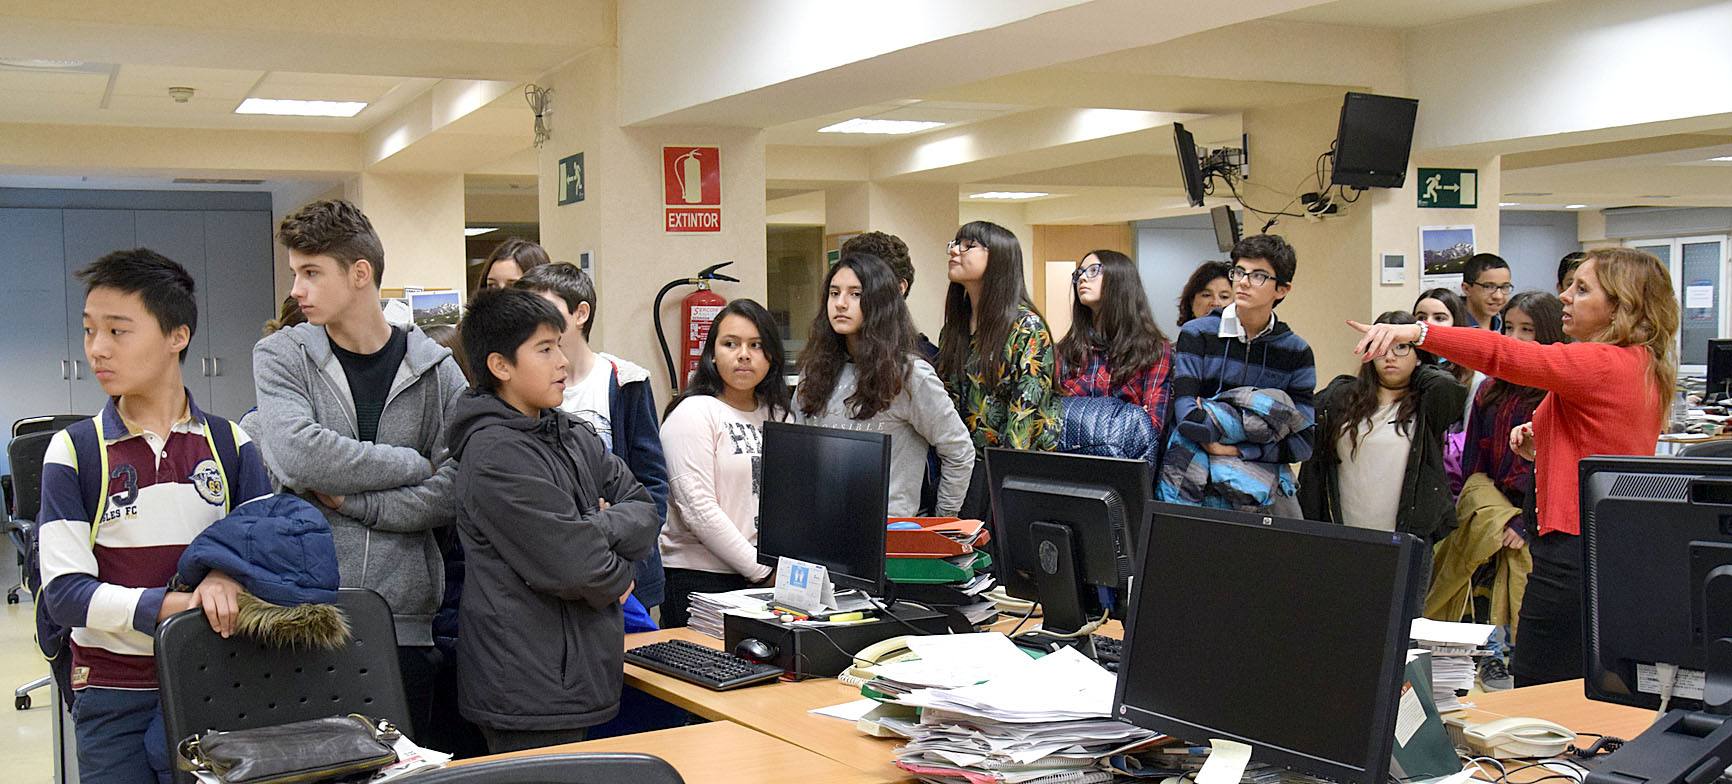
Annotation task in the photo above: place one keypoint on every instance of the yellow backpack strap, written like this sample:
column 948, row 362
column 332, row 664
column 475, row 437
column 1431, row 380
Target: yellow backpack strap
column 222, row 459
column 101, row 480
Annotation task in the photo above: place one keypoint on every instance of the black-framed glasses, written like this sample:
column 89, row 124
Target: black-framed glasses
column 1258, row 277
column 1401, row 349
column 961, row 246
column 1506, row 288
column 1090, row 272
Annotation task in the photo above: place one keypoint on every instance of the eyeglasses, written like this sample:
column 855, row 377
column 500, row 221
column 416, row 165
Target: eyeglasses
column 1090, row 272
column 1401, row 349
column 1506, row 288
column 1258, row 277
column 961, row 246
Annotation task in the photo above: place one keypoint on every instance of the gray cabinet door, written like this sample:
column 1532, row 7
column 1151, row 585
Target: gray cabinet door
column 32, row 318
column 179, row 235
column 90, row 235
column 239, row 296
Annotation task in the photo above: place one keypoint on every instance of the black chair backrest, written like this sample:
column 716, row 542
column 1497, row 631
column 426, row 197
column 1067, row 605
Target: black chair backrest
column 209, row 683
column 559, row 769
column 45, row 424
column 1708, row 449
column 26, row 453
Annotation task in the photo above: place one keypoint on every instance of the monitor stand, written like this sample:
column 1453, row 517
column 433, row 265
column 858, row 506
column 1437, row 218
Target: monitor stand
column 1687, row 747
column 1059, row 583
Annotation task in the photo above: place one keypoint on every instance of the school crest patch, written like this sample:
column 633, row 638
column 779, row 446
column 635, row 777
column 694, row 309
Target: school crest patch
column 207, row 479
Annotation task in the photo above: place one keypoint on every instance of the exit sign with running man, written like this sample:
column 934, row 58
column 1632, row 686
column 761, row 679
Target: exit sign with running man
column 1451, row 188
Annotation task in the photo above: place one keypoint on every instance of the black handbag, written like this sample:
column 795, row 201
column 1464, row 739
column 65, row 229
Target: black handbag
column 301, row 752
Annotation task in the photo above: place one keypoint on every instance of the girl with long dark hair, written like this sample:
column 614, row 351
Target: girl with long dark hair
column 1443, row 308
column 510, row 261
column 1608, row 393
column 713, row 440
column 860, row 371
column 1114, row 348
column 995, row 353
column 1207, row 291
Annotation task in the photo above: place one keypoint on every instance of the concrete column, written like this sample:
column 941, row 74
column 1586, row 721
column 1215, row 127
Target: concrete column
column 923, row 215
column 419, row 218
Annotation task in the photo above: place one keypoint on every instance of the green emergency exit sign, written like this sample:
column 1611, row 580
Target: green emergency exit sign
column 1451, row 188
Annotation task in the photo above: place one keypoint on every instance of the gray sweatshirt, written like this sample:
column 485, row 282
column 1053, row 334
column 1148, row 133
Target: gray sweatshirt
column 395, row 489
column 922, row 417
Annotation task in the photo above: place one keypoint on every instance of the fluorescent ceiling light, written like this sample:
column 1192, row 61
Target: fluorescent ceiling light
column 292, row 108
column 35, row 63
column 1008, row 195
column 1722, row 159
column 1509, row 204
column 476, row 231
column 1531, row 193
column 863, row 125
column 1574, row 206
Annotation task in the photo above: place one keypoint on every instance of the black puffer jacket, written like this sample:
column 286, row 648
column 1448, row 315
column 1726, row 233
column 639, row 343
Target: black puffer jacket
column 1427, row 507
column 542, row 646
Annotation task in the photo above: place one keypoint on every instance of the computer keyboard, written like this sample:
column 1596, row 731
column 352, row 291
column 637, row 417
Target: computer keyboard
column 706, row 667
column 1107, row 651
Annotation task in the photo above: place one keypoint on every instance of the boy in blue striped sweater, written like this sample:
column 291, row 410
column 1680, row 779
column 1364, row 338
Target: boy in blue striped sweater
column 123, row 493
column 1245, row 345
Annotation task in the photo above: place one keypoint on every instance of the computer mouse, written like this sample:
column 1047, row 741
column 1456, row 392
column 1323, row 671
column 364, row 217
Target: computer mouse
column 753, row 649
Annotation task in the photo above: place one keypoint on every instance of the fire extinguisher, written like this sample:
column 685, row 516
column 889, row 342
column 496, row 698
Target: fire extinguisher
column 697, row 311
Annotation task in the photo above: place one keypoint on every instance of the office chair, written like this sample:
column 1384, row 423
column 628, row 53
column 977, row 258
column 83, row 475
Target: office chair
column 209, row 683
column 1707, row 449
column 559, row 769
column 26, row 453
column 20, row 531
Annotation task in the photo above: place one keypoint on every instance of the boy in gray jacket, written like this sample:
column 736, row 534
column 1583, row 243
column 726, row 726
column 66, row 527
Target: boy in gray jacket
column 551, row 523
column 352, row 417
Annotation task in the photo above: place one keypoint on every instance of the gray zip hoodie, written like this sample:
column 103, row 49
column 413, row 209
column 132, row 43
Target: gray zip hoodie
column 395, row 489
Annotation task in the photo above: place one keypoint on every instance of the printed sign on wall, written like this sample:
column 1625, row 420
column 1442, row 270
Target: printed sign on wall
column 692, row 190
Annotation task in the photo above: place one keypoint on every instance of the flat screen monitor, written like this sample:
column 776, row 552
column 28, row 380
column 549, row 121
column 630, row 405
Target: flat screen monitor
column 1373, row 141
column 1226, row 227
column 824, row 497
column 1287, row 635
column 1719, row 369
column 1066, row 525
column 1190, row 166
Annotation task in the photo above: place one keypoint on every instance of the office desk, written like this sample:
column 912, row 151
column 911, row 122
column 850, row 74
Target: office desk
column 721, row 752
column 1564, row 704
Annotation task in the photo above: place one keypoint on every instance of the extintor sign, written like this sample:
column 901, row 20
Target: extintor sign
column 692, row 189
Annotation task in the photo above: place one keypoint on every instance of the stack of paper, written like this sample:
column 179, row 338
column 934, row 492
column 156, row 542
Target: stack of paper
column 1030, row 720
column 1455, row 648
column 707, row 608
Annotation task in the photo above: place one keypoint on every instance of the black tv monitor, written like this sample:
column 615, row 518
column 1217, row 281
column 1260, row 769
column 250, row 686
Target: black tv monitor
column 1190, row 166
column 1242, row 620
column 1719, row 369
column 1226, row 227
column 1373, row 141
column 824, row 498
column 1657, row 594
column 1064, row 526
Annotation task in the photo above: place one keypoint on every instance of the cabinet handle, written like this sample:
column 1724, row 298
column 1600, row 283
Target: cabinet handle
column 216, row 366
column 78, row 370
column 204, row 366
column 65, row 371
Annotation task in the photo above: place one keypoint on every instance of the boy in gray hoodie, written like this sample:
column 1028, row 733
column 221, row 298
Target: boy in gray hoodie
column 352, row 417
column 551, row 524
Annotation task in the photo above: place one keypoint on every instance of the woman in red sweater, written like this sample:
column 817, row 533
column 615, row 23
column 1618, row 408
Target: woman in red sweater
column 1609, row 393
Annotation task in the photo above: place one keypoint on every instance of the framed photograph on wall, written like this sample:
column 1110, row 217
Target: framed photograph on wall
column 436, row 307
column 1444, row 251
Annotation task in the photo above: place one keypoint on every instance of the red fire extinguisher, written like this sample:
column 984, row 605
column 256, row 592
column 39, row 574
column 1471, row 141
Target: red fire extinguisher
column 697, row 311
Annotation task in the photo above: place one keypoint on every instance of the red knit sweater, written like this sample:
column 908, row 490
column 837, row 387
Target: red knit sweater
column 1600, row 402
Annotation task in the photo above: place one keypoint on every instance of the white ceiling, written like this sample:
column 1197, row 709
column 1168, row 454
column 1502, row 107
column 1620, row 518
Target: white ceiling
column 1401, row 14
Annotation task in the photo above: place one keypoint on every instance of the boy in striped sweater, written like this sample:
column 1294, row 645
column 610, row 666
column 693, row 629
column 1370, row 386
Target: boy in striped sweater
column 123, row 493
column 1245, row 345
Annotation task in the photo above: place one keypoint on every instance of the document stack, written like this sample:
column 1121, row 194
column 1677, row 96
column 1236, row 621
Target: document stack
column 707, row 608
column 1455, row 648
column 1032, row 721
column 941, row 562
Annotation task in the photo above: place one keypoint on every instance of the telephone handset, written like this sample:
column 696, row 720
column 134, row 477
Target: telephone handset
column 879, row 653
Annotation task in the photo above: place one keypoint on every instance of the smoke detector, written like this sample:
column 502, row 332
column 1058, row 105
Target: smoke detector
column 180, row 94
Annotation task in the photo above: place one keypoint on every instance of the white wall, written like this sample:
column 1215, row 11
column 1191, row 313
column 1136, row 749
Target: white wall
column 1168, row 250
column 1532, row 242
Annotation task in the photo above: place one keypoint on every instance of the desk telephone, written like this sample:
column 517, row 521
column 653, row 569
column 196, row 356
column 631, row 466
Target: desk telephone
column 878, row 654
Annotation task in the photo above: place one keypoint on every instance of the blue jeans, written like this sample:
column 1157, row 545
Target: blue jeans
column 120, row 737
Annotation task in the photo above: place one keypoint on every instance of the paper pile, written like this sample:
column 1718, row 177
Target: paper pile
column 1455, row 649
column 707, row 608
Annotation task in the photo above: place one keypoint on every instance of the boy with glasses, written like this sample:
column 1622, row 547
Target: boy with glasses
column 1486, row 285
column 1246, row 346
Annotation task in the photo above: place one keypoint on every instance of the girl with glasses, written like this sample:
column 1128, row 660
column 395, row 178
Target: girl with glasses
column 1114, row 348
column 995, row 353
column 1609, row 393
column 1378, row 460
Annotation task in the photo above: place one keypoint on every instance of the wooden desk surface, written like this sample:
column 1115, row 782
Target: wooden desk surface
column 1563, row 703
column 720, row 751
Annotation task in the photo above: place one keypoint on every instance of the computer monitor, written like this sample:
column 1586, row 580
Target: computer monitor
column 1190, row 166
column 1287, row 635
column 1226, row 227
column 1719, row 370
column 1373, row 140
column 1657, row 594
column 1065, row 525
column 824, row 498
